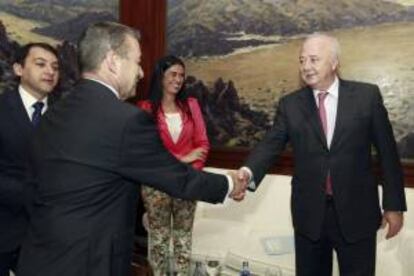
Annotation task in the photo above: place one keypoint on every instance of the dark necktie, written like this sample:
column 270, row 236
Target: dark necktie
column 322, row 115
column 38, row 106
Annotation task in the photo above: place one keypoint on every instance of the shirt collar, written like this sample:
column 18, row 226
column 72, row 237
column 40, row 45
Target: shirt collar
column 28, row 99
column 333, row 90
column 113, row 90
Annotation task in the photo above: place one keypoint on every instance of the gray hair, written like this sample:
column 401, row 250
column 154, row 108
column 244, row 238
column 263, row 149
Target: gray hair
column 98, row 39
column 335, row 47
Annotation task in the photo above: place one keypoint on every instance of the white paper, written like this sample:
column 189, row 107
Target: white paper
column 278, row 245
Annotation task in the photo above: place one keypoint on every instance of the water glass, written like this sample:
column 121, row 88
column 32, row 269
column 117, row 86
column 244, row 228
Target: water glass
column 273, row 272
column 213, row 267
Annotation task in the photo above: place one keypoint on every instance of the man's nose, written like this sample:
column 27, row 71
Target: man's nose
column 140, row 73
column 51, row 70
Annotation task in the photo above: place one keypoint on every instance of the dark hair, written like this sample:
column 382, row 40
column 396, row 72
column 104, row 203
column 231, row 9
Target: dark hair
column 98, row 39
column 23, row 52
column 156, row 88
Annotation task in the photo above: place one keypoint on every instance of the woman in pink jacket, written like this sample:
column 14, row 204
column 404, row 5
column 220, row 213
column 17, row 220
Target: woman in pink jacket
column 182, row 130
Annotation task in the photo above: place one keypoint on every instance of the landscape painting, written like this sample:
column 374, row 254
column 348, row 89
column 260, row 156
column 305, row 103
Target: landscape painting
column 242, row 56
column 58, row 22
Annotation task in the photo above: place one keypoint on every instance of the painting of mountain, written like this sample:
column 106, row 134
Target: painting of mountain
column 199, row 28
column 58, row 22
column 243, row 53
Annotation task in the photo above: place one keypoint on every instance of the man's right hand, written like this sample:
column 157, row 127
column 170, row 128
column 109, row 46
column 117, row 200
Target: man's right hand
column 240, row 186
column 243, row 176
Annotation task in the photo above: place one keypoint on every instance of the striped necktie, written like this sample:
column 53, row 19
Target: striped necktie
column 38, row 106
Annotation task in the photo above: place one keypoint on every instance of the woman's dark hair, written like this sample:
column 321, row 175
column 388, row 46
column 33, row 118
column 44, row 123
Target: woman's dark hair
column 156, row 88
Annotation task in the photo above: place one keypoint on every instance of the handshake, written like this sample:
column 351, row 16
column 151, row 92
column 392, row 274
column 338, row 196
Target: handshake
column 241, row 179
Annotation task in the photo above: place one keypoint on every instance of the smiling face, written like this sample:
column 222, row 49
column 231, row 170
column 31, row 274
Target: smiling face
column 318, row 62
column 39, row 72
column 173, row 79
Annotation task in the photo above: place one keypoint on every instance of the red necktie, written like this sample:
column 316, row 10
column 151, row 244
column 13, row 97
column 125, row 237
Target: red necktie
column 322, row 115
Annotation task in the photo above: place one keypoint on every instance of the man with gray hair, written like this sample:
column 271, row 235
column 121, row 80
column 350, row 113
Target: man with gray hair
column 90, row 153
column 332, row 125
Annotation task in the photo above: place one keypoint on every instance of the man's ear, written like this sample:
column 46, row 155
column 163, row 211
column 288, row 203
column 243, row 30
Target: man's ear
column 112, row 61
column 18, row 69
column 335, row 64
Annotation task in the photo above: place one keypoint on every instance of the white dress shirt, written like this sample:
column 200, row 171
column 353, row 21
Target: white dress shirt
column 28, row 101
column 331, row 107
column 174, row 124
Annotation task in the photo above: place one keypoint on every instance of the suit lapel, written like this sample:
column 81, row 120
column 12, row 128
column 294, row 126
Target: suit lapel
column 346, row 103
column 163, row 128
column 18, row 112
column 310, row 111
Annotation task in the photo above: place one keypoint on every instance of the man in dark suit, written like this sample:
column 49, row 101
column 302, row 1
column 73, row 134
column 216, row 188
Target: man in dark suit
column 332, row 125
column 37, row 67
column 91, row 152
column 406, row 146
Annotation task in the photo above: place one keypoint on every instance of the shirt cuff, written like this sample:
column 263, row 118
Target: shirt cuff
column 231, row 185
column 252, row 184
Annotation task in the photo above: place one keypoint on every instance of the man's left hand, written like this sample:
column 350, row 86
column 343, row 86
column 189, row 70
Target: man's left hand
column 395, row 221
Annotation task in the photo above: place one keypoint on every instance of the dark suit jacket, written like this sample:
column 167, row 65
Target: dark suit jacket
column 91, row 153
column 406, row 146
column 15, row 135
column 361, row 122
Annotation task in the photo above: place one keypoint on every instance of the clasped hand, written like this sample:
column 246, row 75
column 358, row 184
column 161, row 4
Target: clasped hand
column 241, row 181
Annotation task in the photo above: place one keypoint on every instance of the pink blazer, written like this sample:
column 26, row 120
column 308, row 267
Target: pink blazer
column 193, row 134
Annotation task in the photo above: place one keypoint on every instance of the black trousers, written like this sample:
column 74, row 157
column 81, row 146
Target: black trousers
column 314, row 258
column 8, row 262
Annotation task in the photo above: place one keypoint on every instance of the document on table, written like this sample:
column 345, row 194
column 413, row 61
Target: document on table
column 278, row 245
